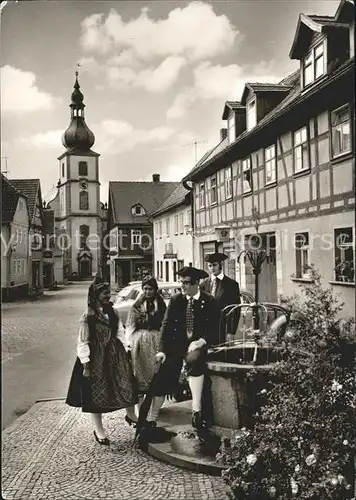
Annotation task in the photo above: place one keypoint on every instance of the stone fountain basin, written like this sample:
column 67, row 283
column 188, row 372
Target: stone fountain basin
column 233, row 392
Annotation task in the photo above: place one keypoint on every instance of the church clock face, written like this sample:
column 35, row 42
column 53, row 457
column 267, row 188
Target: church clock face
column 83, row 184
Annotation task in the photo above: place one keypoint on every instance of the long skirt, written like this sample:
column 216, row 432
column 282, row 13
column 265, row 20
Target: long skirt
column 111, row 385
column 145, row 344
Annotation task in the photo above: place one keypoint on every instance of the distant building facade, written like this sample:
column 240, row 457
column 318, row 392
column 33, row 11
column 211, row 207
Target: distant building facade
column 31, row 188
column 15, row 227
column 173, row 234
column 130, row 233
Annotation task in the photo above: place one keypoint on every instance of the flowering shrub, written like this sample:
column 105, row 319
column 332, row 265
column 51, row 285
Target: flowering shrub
column 302, row 441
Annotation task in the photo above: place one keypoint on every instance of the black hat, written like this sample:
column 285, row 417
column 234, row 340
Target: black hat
column 97, row 286
column 215, row 257
column 192, row 272
column 150, row 281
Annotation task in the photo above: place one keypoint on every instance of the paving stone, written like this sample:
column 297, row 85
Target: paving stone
column 52, row 454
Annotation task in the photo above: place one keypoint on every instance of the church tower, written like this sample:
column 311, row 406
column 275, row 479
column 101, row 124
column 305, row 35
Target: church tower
column 78, row 213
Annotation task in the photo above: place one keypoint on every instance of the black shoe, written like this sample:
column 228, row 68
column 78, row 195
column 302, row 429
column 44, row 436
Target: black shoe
column 104, row 441
column 132, row 423
column 198, row 422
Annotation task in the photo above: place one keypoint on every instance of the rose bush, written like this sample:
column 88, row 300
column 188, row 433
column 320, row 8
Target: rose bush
column 302, row 441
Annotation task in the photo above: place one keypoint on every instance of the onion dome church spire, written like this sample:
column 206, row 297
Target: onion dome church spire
column 77, row 136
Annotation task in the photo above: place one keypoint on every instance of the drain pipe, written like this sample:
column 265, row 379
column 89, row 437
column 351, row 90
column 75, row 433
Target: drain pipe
column 190, row 188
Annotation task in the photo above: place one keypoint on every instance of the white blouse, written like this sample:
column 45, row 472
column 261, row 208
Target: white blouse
column 83, row 349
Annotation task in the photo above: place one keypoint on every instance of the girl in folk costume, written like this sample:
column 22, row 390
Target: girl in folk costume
column 102, row 380
column 143, row 336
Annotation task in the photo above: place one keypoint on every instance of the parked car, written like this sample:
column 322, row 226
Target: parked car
column 123, row 293
column 123, row 305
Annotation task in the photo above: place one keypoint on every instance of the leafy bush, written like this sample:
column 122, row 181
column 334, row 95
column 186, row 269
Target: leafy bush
column 302, row 442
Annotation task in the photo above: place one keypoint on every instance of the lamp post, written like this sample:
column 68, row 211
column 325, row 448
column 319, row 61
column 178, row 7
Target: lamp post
column 256, row 257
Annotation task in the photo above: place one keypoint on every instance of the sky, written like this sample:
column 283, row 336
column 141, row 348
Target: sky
column 155, row 76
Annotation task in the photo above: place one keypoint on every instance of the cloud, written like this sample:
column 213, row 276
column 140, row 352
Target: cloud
column 194, row 31
column 117, row 136
column 223, row 82
column 175, row 172
column 153, row 79
column 50, row 139
column 19, row 94
column 112, row 137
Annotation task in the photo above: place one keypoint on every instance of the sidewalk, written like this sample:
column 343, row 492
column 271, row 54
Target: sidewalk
column 50, row 453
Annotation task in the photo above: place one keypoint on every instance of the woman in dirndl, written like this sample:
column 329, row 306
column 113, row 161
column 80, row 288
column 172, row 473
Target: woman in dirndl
column 102, row 380
column 143, row 337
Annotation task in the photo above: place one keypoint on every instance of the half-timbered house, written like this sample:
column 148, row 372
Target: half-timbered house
column 286, row 169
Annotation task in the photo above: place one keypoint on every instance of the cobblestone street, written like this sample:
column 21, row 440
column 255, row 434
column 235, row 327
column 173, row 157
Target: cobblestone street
column 38, row 347
column 50, row 453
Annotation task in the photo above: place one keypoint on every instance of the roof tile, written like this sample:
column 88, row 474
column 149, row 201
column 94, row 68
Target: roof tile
column 9, row 199
column 176, row 198
column 125, row 194
column 30, row 188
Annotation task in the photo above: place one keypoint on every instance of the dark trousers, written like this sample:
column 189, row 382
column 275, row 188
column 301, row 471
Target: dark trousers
column 196, row 362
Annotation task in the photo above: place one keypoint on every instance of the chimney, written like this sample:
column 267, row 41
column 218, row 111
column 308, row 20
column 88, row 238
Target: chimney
column 223, row 134
column 155, row 177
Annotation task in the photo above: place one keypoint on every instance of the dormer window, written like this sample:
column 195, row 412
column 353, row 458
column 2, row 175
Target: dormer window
column 231, row 127
column 138, row 210
column 314, row 65
column 251, row 114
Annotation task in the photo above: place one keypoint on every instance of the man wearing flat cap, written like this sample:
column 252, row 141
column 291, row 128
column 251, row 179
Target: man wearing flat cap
column 188, row 326
column 225, row 290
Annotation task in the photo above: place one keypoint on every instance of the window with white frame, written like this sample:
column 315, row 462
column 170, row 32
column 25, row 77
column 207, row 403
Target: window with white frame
column 246, row 175
column 189, row 218
column 341, row 134
column 213, row 189
column 344, row 254
column 137, row 210
column 168, row 226
column 270, row 164
column 228, row 182
column 302, row 249
column 156, row 230
column 181, row 223
column 301, row 150
column 314, row 65
column 136, row 237
column 202, row 195
column 251, row 117
column 21, row 204
column 14, row 267
column 231, row 130
column 160, row 229
column 18, row 267
column 176, row 224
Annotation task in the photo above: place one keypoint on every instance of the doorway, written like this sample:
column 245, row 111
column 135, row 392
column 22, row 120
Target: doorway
column 84, row 268
column 268, row 276
column 125, row 272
